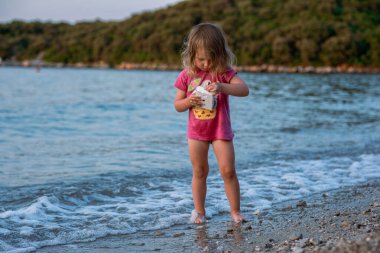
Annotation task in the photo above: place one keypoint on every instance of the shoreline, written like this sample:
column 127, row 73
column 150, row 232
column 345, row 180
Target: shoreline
column 263, row 68
column 341, row 220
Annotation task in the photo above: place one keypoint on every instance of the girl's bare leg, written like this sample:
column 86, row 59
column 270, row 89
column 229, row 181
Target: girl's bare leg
column 198, row 151
column 225, row 154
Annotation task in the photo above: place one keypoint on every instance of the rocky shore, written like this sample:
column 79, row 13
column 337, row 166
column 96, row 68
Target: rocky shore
column 264, row 68
column 343, row 220
column 307, row 69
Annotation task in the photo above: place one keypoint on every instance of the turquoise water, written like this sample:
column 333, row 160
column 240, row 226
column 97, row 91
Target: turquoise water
column 87, row 153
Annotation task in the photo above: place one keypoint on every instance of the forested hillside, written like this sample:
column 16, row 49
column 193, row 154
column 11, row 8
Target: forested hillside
column 286, row 32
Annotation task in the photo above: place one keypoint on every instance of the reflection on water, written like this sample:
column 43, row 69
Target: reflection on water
column 231, row 237
column 202, row 238
column 237, row 234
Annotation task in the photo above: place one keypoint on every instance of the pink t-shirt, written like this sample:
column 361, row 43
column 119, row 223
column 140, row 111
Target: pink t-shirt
column 206, row 124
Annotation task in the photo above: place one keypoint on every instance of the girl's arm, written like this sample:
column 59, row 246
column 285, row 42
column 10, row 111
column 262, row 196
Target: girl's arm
column 183, row 103
column 238, row 88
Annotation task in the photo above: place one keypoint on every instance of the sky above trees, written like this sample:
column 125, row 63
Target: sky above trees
column 73, row 11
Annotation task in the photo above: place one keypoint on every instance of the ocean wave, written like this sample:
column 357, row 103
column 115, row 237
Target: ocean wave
column 74, row 215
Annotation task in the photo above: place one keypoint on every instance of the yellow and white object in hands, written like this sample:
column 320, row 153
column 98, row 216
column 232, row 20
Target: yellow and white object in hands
column 208, row 100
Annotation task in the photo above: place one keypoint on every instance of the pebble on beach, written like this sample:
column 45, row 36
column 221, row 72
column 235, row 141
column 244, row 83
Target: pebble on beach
column 301, row 203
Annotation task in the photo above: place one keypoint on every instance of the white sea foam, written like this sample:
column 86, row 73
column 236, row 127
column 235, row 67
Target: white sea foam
column 369, row 164
column 4, row 231
column 289, row 180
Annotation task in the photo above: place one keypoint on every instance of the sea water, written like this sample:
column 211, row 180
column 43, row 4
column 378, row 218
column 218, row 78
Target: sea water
column 90, row 153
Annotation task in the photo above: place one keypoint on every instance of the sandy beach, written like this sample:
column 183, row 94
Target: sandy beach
column 342, row 220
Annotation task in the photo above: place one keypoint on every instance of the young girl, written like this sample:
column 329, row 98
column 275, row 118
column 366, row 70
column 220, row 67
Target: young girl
column 208, row 63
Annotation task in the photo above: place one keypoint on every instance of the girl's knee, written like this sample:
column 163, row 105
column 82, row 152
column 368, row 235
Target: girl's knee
column 200, row 172
column 228, row 173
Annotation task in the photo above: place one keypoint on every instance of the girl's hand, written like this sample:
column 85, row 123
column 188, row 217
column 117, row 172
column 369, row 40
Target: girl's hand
column 195, row 100
column 214, row 88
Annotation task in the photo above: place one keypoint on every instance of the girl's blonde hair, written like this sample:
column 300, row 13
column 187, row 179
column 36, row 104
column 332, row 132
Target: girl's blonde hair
column 211, row 38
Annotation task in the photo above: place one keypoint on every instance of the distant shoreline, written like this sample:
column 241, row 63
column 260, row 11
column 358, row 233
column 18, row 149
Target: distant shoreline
column 263, row 68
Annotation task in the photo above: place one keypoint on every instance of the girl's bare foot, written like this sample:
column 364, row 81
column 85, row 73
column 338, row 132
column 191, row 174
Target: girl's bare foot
column 197, row 218
column 237, row 217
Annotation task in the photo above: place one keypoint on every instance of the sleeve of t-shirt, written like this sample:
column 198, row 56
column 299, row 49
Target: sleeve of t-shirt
column 181, row 82
column 228, row 75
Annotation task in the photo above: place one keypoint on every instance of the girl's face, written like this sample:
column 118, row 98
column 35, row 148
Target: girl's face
column 202, row 60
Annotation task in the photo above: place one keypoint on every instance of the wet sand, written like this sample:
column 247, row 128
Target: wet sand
column 342, row 220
